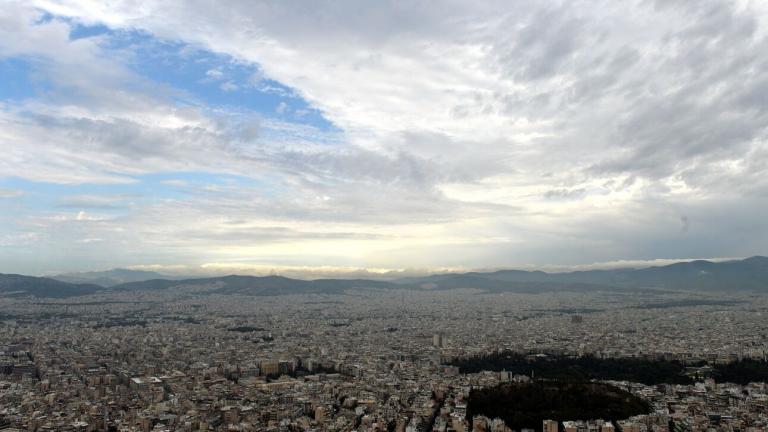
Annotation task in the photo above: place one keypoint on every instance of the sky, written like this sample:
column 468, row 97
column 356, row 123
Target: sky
column 345, row 136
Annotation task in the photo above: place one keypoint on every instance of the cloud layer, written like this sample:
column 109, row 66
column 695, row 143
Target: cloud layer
column 398, row 135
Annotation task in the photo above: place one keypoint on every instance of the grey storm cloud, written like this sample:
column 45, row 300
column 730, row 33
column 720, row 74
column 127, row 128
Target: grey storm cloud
column 686, row 224
column 708, row 108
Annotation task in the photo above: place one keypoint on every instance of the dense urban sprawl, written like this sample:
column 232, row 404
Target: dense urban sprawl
column 185, row 360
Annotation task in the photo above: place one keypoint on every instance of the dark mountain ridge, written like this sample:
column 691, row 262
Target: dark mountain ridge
column 750, row 274
column 108, row 278
column 261, row 285
column 14, row 285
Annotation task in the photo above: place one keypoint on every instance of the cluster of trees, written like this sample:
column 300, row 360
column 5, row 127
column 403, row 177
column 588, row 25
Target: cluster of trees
column 245, row 329
column 527, row 405
column 578, row 368
column 121, row 322
column 742, row 372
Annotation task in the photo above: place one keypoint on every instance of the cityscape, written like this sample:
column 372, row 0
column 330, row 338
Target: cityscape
column 189, row 358
column 383, row 216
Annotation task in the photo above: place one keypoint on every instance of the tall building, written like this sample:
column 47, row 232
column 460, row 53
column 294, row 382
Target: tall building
column 549, row 426
column 438, row 340
column 570, row 426
column 629, row 426
column 269, row 367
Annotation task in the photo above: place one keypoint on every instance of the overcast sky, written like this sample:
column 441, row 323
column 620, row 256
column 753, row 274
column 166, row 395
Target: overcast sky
column 297, row 135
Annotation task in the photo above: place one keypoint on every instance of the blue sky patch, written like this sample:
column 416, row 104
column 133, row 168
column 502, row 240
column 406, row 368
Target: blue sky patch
column 19, row 80
column 213, row 80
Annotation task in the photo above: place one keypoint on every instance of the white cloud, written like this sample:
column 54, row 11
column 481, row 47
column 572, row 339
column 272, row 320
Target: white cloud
column 215, row 74
column 551, row 87
column 474, row 133
column 176, row 183
column 229, row 86
column 103, row 202
column 10, row 193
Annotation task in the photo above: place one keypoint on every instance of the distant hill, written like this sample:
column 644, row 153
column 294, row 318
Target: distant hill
column 264, row 285
column 750, row 274
column 109, row 278
column 490, row 283
column 278, row 285
column 13, row 285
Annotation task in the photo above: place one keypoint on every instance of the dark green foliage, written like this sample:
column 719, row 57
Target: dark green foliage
column 121, row 322
column 578, row 369
column 687, row 303
column 245, row 329
column 742, row 372
column 528, row 405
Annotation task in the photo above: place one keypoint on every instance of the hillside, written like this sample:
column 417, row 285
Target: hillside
column 13, row 285
column 109, row 278
column 750, row 274
column 264, row 285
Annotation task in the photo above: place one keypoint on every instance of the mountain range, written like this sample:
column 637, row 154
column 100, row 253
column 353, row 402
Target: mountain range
column 749, row 274
column 13, row 285
column 109, row 278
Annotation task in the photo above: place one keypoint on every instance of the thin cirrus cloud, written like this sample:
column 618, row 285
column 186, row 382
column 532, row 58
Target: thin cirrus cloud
column 387, row 135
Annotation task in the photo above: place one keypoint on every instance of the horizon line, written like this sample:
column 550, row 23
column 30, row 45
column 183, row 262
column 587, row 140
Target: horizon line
column 211, row 270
